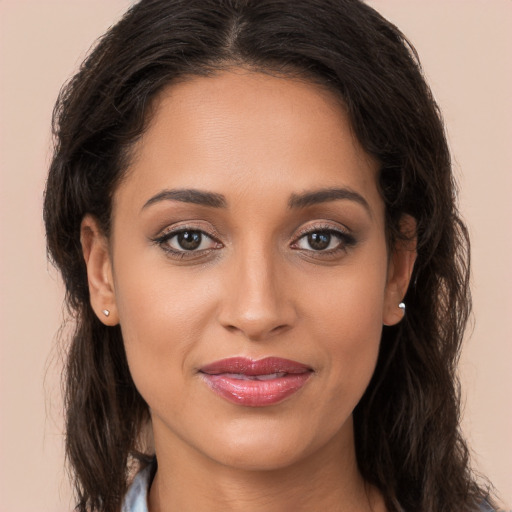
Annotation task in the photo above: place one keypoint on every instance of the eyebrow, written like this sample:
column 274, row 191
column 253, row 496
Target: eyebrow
column 324, row 195
column 200, row 197
column 296, row 201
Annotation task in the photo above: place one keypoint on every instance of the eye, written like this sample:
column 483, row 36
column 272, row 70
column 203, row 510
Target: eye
column 189, row 241
column 324, row 240
column 319, row 241
column 185, row 241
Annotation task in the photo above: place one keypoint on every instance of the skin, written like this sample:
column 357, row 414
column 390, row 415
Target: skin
column 256, row 288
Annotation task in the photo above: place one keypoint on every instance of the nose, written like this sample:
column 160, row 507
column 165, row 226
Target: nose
column 256, row 303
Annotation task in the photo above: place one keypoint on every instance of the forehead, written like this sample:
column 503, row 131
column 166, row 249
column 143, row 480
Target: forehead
column 250, row 130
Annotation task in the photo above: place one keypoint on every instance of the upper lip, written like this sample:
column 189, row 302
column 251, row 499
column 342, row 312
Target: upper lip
column 246, row 366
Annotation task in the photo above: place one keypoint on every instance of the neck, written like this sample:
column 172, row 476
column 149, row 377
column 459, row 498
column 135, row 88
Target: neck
column 327, row 480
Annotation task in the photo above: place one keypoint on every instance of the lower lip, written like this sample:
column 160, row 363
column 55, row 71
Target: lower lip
column 256, row 393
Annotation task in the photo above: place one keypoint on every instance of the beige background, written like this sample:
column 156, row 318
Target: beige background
column 466, row 49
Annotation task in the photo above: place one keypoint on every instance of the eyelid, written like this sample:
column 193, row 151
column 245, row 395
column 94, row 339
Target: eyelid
column 188, row 225
column 171, row 231
column 347, row 239
column 344, row 234
column 322, row 226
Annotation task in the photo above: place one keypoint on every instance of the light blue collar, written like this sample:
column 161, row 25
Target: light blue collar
column 136, row 499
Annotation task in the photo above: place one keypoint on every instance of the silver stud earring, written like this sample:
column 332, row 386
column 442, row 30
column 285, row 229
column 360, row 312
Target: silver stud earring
column 402, row 306
column 106, row 312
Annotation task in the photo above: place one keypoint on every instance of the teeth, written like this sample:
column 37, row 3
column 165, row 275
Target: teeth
column 269, row 376
column 237, row 376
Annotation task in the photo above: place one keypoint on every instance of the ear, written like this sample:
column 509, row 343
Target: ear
column 401, row 264
column 99, row 271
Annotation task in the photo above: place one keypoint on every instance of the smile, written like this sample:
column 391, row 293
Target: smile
column 255, row 383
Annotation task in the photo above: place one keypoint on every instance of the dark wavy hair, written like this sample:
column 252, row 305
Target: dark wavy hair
column 408, row 441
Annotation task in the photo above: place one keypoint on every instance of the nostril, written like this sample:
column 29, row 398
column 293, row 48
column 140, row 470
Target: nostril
column 257, row 332
column 279, row 329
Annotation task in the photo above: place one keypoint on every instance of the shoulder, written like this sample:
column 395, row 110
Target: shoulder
column 485, row 507
column 136, row 499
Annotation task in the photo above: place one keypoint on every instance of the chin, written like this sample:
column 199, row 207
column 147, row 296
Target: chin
column 255, row 457
column 270, row 445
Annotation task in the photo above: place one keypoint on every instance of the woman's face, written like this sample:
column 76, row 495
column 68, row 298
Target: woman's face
column 249, row 226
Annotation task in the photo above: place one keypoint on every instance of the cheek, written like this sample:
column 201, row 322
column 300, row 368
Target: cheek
column 162, row 315
column 346, row 313
column 348, row 302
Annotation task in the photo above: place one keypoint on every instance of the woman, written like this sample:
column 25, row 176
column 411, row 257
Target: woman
column 252, row 207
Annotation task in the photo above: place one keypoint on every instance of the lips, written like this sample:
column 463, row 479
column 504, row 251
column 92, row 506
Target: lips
column 255, row 383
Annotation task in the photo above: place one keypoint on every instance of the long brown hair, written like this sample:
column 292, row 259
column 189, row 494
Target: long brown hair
column 408, row 441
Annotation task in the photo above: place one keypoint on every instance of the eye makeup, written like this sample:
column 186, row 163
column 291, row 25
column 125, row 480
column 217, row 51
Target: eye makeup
column 323, row 240
column 188, row 241
column 319, row 240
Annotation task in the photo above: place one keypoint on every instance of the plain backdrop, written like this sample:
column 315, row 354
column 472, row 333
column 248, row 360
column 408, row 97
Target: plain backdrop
column 465, row 47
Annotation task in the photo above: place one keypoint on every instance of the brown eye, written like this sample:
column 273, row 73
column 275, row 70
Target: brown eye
column 324, row 241
column 319, row 241
column 189, row 240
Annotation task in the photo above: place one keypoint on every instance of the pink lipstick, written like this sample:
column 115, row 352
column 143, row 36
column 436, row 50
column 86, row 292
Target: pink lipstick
column 255, row 383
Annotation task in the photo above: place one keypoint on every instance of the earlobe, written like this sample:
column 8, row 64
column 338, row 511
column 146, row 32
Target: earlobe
column 401, row 265
column 99, row 271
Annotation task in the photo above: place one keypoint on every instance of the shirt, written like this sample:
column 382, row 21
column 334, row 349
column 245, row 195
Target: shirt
column 136, row 499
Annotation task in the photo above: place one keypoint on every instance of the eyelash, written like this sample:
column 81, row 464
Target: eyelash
column 164, row 239
column 345, row 239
